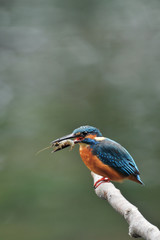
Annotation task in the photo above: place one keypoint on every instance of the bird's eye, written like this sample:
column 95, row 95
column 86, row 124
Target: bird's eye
column 84, row 133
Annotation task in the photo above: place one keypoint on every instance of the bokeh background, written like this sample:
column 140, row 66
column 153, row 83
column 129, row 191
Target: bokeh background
column 63, row 64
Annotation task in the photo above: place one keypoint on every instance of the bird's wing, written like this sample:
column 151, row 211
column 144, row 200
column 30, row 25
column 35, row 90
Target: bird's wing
column 113, row 154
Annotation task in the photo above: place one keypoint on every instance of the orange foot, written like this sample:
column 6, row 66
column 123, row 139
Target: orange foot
column 100, row 181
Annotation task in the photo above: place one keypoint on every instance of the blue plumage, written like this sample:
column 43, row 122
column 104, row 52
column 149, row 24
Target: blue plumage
column 88, row 130
column 103, row 155
column 114, row 155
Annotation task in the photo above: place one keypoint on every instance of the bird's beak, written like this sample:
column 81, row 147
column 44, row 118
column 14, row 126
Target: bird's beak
column 70, row 136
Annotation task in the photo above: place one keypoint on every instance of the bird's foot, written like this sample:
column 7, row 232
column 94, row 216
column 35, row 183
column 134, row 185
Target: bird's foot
column 100, row 181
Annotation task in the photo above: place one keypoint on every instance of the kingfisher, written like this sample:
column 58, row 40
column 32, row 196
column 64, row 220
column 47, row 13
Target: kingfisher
column 103, row 156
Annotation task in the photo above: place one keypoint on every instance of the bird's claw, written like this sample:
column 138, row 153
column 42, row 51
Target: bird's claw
column 100, row 181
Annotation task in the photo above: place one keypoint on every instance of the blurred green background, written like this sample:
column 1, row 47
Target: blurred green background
column 63, row 64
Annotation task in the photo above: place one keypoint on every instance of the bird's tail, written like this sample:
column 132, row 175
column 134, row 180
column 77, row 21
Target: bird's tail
column 136, row 179
column 139, row 180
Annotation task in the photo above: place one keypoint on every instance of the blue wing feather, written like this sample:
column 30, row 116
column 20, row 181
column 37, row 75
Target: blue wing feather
column 116, row 156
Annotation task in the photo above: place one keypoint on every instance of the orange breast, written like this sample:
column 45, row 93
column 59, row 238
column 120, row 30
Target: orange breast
column 97, row 166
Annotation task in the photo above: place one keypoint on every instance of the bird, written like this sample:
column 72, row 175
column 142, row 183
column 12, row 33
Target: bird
column 103, row 156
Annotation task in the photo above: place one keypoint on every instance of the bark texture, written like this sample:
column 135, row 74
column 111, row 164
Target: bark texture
column 138, row 225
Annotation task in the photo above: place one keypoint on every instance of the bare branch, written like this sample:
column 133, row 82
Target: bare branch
column 138, row 225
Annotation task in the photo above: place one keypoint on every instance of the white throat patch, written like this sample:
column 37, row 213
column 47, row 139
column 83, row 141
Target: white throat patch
column 99, row 138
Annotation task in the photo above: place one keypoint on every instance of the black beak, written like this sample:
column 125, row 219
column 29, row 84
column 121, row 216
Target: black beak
column 64, row 138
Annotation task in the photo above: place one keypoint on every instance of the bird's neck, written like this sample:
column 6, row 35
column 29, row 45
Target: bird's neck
column 90, row 141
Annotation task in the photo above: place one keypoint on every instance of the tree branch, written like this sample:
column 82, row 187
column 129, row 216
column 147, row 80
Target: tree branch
column 138, row 225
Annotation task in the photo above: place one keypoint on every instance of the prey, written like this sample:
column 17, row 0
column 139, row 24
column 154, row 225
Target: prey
column 59, row 145
column 63, row 144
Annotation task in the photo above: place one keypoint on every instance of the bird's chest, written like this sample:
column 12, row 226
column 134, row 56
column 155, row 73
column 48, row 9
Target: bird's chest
column 90, row 160
column 96, row 165
column 86, row 155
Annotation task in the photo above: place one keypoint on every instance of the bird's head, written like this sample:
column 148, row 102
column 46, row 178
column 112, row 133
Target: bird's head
column 79, row 134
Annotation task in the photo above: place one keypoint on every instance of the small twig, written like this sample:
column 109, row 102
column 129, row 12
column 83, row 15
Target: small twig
column 138, row 225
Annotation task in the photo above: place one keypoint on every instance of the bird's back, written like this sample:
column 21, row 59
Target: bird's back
column 109, row 159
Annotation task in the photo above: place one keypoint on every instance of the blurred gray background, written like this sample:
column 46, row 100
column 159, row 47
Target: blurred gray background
column 63, row 64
